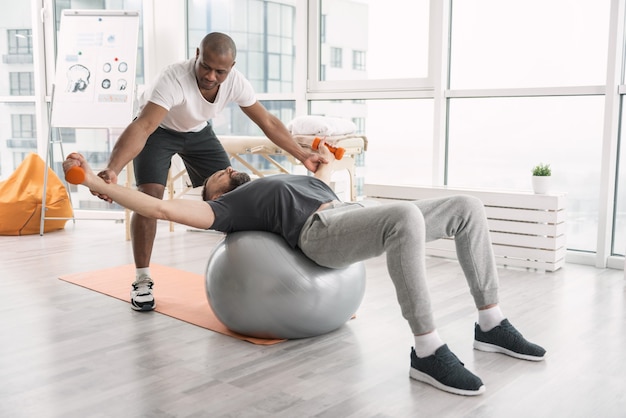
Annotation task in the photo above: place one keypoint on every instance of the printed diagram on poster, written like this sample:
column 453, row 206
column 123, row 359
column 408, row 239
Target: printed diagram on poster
column 95, row 71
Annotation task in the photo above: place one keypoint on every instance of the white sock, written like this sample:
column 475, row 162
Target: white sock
column 489, row 318
column 144, row 271
column 427, row 344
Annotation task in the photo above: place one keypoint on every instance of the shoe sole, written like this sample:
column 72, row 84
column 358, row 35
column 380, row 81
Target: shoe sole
column 142, row 308
column 492, row 348
column 425, row 378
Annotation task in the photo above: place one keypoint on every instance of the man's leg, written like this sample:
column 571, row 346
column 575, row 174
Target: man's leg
column 460, row 217
column 339, row 237
column 463, row 217
column 143, row 232
column 202, row 154
column 151, row 169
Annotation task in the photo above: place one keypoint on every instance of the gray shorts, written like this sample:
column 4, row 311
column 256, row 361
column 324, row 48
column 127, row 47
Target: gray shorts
column 201, row 152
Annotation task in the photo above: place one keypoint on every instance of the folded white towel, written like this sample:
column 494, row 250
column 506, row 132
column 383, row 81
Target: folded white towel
column 320, row 125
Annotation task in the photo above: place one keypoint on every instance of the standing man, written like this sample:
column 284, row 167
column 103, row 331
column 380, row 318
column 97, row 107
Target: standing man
column 174, row 118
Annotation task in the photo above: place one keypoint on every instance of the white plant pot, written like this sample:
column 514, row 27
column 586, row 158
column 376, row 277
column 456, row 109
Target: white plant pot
column 541, row 184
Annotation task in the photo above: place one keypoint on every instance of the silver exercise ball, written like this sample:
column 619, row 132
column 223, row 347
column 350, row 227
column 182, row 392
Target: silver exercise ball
column 260, row 287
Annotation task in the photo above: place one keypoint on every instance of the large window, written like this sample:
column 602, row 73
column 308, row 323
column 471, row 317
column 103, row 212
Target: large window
column 499, row 47
column 471, row 93
column 494, row 143
column 530, row 43
column 392, row 36
column 264, row 32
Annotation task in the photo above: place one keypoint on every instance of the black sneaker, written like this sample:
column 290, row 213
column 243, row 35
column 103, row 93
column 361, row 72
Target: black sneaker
column 507, row 340
column 445, row 371
column 141, row 298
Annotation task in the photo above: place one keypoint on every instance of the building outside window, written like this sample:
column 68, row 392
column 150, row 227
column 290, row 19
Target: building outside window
column 336, row 57
column 20, row 42
column 17, row 120
column 23, row 126
column 21, row 83
column 358, row 60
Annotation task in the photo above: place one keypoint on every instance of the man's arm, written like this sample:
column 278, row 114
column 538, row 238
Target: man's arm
column 276, row 131
column 133, row 139
column 193, row 213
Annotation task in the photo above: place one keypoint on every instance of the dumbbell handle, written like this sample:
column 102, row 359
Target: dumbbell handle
column 337, row 151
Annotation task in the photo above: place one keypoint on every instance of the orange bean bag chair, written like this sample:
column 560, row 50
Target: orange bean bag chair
column 21, row 199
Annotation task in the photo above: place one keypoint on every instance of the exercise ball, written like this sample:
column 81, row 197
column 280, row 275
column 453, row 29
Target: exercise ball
column 257, row 285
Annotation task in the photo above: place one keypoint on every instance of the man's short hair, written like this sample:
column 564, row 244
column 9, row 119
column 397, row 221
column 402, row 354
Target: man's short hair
column 235, row 181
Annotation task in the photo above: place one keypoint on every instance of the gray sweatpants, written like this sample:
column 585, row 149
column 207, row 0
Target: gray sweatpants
column 351, row 232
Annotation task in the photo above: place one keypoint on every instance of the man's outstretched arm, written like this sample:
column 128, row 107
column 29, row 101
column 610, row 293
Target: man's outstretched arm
column 193, row 213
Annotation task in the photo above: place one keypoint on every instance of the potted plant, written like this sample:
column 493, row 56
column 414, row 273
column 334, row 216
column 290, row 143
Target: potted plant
column 541, row 178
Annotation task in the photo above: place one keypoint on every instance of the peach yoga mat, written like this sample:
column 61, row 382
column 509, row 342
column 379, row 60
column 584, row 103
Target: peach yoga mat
column 178, row 294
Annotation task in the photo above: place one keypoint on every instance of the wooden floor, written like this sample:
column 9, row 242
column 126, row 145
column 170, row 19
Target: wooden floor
column 69, row 352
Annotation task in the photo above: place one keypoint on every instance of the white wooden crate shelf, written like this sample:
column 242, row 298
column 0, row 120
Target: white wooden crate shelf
column 527, row 229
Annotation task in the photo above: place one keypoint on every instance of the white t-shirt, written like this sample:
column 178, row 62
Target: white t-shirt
column 177, row 91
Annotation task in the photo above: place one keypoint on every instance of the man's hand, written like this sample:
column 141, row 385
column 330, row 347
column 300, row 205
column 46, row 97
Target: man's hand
column 327, row 155
column 325, row 170
column 109, row 176
column 313, row 161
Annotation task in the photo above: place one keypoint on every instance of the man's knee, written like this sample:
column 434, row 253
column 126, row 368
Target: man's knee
column 469, row 204
column 406, row 214
column 152, row 189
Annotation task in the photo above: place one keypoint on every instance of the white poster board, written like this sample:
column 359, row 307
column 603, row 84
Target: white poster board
column 95, row 71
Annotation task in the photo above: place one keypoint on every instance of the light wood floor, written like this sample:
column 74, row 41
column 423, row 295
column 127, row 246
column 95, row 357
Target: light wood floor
column 69, row 352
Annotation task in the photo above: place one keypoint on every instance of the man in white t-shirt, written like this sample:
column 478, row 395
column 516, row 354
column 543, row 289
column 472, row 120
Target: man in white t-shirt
column 174, row 118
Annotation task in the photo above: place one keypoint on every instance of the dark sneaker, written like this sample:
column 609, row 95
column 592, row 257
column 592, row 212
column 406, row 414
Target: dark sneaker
column 141, row 298
column 507, row 340
column 445, row 371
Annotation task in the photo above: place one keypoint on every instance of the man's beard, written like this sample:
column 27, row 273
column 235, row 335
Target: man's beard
column 238, row 179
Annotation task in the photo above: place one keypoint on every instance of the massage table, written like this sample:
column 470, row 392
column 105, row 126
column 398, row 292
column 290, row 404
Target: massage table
column 239, row 146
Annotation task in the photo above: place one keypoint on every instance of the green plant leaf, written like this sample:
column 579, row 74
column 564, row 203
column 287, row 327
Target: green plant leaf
column 542, row 170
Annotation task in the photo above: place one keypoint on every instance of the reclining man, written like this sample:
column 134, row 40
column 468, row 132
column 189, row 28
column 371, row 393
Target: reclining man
column 306, row 212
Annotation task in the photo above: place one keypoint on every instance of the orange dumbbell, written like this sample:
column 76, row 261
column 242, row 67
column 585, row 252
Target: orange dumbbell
column 75, row 175
column 337, row 151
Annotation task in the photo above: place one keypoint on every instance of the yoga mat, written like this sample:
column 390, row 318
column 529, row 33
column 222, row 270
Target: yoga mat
column 178, row 294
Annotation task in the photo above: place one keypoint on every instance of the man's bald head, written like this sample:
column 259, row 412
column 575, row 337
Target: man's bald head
column 219, row 43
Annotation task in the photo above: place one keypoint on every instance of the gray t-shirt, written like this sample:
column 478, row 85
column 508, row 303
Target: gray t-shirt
column 280, row 203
